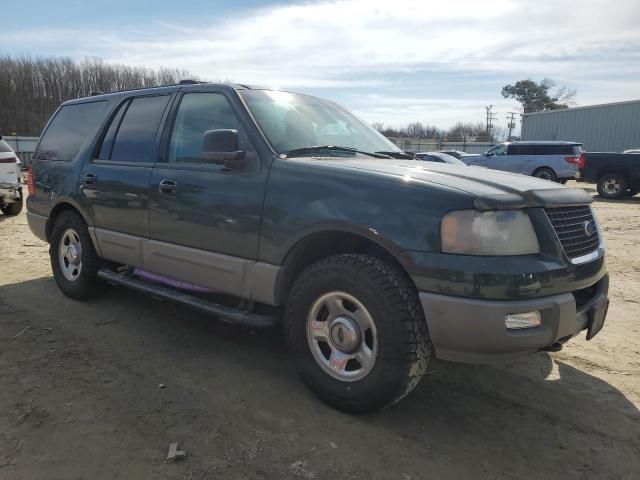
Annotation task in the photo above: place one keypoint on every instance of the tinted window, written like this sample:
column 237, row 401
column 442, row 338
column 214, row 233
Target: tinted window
column 107, row 142
column 555, row 150
column 519, row 150
column 4, row 147
column 71, row 128
column 137, row 132
column 197, row 114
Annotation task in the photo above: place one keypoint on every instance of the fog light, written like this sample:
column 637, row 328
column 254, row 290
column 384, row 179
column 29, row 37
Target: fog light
column 518, row 321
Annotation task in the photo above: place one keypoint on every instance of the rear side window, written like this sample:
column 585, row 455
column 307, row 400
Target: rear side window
column 519, row 150
column 136, row 129
column 110, row 136
column 70, row 129
column 556, row 150
column 4, row 147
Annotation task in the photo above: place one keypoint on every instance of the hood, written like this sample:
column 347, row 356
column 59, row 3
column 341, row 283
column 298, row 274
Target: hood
column 493, row 189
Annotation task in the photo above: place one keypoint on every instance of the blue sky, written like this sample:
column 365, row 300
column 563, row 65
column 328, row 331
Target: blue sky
column 389, row 61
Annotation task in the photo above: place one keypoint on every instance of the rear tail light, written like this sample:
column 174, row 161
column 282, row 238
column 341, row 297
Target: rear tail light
column 9, row 160
column 582, row 161
column 31, row 181
column 572, row 160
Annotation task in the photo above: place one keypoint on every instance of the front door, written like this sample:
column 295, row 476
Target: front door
column 115, row 185
column 204, row 218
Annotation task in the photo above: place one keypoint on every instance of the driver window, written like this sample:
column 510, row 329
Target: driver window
column 198, row 113
column 499, row 150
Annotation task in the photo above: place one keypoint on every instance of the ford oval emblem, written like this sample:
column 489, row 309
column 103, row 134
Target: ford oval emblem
column 589, row 228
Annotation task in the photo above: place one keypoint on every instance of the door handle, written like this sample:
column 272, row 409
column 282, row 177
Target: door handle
column 167, row 186
column 90, row 179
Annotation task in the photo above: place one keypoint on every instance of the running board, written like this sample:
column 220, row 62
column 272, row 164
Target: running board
column 227, row 314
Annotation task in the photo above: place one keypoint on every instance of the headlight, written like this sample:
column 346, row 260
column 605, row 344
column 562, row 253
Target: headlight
column 503, row 232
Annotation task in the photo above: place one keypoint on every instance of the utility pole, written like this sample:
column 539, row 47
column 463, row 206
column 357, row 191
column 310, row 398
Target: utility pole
column 511, row 119
column 490, row 118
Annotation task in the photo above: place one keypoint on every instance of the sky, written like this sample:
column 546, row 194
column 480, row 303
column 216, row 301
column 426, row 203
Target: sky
column 399, row 61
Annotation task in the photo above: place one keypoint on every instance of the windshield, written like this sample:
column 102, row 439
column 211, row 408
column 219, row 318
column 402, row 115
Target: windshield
column 292, row 121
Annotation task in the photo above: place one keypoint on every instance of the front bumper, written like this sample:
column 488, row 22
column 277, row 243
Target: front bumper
column 473, row 330
column 10, row 192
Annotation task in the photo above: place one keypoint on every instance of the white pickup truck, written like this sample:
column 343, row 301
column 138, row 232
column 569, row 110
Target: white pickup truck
column 10, row 186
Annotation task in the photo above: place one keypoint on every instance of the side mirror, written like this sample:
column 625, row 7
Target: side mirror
column 489, row 154
column 221, row 146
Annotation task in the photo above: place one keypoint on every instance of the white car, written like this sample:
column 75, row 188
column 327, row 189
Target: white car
column 10, row 186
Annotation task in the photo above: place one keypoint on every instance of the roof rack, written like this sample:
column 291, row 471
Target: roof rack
column 96, row 93
column 188, row 81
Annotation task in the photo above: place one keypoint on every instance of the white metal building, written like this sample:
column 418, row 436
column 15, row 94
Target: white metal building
column 611, row 127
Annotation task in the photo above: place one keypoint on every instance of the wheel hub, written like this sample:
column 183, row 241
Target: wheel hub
column 344, row 334
column 72, row 255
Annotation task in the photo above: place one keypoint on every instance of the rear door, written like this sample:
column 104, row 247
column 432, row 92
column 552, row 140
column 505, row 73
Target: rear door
column 114, row 185
column 204, row 217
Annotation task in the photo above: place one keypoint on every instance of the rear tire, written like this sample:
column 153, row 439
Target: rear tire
column 612, row 186
column 11, row 209
column 74, row 260
column 368, row 368
column 545, row 173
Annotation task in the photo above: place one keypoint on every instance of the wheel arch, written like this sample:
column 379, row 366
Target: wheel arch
column 62, row 206
column 322, row 244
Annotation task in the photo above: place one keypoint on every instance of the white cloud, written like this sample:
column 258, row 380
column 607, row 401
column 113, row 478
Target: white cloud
column 382, row 46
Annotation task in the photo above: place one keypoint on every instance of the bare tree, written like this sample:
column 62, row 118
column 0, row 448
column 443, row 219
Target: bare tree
column 32, row 88
column 379, row 126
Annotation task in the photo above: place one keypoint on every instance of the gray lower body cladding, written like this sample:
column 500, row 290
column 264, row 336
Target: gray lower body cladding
column 474, row 331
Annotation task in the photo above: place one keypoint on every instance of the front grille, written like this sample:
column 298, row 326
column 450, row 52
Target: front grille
column 570, row 224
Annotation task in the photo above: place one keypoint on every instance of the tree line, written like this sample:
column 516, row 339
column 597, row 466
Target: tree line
column 31, row 89
column 461, row 131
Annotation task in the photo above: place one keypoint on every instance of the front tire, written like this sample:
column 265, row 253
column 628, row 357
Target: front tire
column 356, row 331
column 74, row 260
column 612, row 186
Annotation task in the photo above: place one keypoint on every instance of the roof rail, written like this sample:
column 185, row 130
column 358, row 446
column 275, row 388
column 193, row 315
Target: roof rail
column 188, row 81
column 96, row 93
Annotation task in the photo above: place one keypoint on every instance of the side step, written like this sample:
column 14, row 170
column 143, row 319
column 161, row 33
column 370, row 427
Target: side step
column 227, row 314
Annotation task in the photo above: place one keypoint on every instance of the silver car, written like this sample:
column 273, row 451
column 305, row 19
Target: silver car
column 555, row 161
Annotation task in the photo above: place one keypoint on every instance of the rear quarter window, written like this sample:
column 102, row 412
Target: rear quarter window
column 70, row 129
column 566, row 150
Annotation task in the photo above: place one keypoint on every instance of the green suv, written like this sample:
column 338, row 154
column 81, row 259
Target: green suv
column 263, row 206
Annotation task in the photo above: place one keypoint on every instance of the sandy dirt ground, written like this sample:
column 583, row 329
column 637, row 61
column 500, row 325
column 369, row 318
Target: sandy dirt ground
column 80, row 394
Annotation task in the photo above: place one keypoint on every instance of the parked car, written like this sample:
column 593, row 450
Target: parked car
column 456, row 153
column 635, row 150
column 10, row 186
column 555, row 161
column 438, row 157
column 258, row 205
column 615, row 174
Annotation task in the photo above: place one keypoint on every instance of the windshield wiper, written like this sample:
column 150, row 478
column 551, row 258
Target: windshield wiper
column 399, row 155
column 318, row 148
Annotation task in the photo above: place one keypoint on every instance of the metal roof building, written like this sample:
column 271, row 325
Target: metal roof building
column 612, row 127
